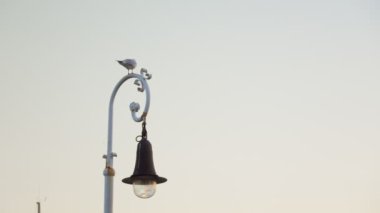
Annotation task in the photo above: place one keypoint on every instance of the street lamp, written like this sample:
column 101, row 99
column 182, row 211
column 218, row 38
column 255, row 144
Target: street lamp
column 144, row 177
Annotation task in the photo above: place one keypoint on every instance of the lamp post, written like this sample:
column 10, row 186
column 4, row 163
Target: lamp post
column 144, row 177
column 38, row 207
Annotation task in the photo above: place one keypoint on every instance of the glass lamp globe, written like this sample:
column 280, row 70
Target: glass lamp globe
column 144, row 188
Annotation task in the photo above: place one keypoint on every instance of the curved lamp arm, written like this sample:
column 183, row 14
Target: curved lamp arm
column 141, row 81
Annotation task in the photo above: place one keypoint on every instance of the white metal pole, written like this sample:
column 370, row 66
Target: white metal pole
column 109, row 172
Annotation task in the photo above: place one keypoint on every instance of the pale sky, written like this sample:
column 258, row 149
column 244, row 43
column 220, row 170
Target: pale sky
column 263, row 106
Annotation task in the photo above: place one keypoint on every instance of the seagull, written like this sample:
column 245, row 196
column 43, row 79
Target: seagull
column 130, row 64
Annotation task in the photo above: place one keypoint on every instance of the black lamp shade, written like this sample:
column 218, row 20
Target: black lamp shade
column 144, row 168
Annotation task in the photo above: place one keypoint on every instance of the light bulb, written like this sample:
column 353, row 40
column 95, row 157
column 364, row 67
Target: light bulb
column 144, row 188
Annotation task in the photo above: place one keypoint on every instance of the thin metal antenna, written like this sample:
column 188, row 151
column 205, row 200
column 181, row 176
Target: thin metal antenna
column 38, row 207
